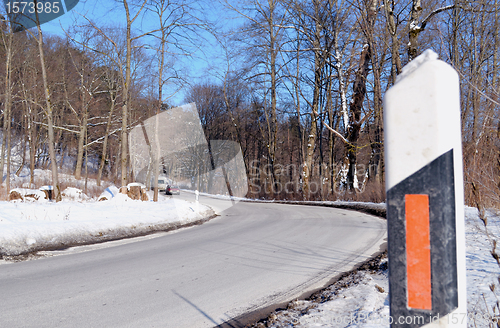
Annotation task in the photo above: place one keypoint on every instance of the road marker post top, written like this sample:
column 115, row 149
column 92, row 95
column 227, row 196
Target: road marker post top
column 424, row 183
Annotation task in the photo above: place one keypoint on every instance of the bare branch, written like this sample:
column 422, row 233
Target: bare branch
column 336, row 133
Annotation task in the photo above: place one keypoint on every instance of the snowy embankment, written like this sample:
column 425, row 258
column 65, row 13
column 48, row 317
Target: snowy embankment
column 27, row 227
column 361, row 299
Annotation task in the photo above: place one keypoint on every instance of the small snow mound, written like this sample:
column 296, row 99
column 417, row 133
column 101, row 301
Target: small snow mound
column 120, row 198
column 136, row 184
column 109, row 193
column 24, row 194
column 409, row 68
column 71, row 193
column 30, row 241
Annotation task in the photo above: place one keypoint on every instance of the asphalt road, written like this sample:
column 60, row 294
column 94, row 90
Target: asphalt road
column 252, row 256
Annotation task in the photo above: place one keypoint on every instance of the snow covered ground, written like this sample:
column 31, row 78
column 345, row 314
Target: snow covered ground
column 28, row 226
column 362, row 300
column 31, row 226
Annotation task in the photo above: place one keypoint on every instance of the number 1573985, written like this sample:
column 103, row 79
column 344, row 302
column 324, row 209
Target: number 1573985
column 30, row 7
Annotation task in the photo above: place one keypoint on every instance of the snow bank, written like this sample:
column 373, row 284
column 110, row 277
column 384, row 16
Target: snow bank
column 27, row 227
column 29, row 194
column 364, row 305
column 71, row 193
column 44, row 177
column 482, row 269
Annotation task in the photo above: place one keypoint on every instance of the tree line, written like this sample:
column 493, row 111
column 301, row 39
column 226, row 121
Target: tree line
column 297, row 84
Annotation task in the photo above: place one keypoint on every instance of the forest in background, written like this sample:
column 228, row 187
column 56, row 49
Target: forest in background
column 297, row 84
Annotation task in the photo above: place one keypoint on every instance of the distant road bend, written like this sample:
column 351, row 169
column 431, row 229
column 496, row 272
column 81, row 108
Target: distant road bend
column 253, row 256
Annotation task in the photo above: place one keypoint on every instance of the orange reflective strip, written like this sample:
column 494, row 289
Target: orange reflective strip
column 418, row 252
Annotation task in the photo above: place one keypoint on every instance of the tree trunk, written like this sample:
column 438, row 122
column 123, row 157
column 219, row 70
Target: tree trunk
column 374, row 166
column 356, row 106
column 359, row 92
column 48, row 112
column 273, row 138
column 31, row 134
column 126, row 99
column 311, row 139
column 83, row 130
column 7, row 40
column 414, row 29
column 7, row 180
column 81, row 142
column 105, row 142
column 392, row 28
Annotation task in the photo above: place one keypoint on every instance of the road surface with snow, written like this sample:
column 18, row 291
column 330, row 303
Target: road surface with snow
column 252, row 256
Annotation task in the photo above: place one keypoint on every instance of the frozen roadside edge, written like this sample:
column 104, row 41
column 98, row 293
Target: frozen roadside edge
column 108, row 235
column 288, row 314
column 291, row 314
column 368, row 208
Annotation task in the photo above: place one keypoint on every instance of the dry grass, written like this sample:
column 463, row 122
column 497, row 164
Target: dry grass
column 3, row 194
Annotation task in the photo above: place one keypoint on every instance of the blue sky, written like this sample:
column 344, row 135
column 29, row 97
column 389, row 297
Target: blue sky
column 98, row 10
column 111, row 13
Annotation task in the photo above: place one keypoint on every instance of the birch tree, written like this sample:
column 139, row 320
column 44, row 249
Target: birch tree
column 417, row 26
column 392, row 27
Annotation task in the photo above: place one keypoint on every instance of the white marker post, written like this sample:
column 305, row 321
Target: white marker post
column 424, row 183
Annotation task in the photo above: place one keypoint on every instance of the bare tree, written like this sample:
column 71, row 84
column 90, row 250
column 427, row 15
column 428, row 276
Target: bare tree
column 7, row 38
column 265, row 28
column 89, row 84
column 48, row 109
column 173, row 17
column 125, row 68
column 416, row 26
column 112, row 89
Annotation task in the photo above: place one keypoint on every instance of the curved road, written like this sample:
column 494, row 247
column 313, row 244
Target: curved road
column 253, row 256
